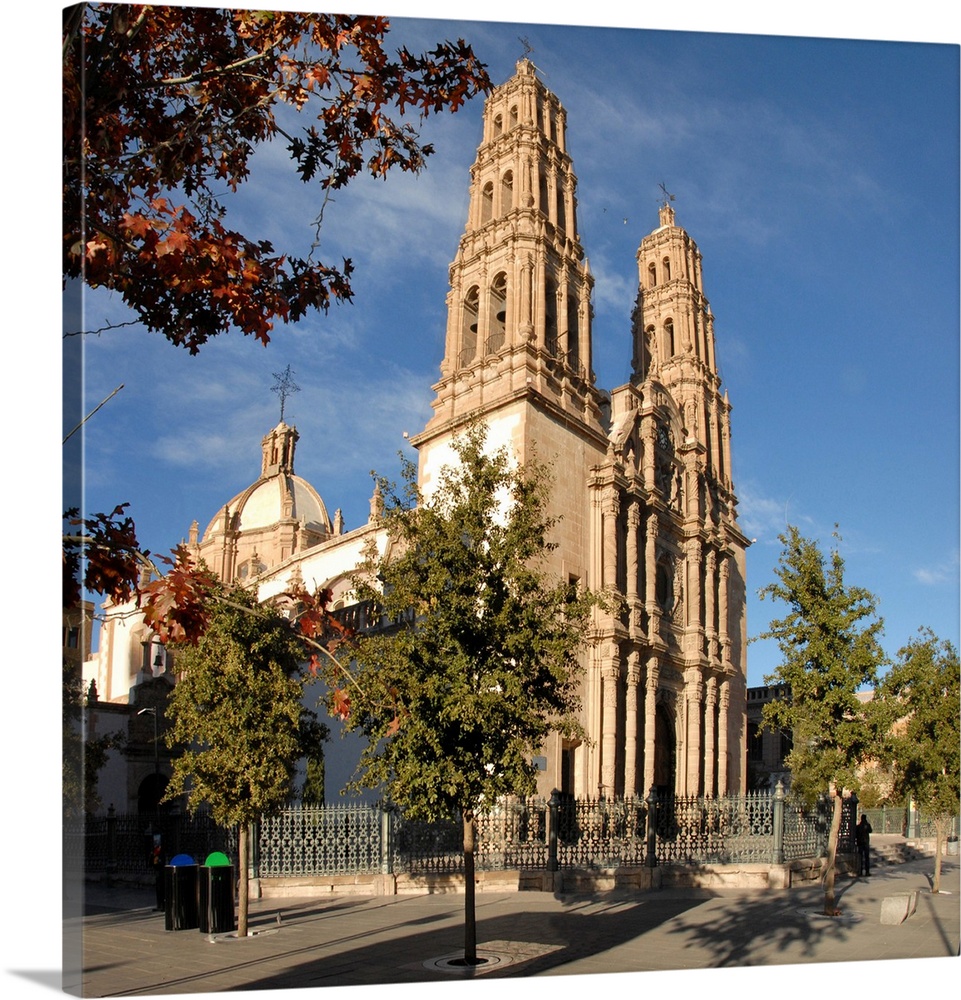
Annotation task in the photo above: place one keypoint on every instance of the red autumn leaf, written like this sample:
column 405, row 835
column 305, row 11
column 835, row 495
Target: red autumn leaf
column 340, row 703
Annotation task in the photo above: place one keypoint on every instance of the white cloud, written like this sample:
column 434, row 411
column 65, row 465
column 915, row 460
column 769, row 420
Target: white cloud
column 940, row 573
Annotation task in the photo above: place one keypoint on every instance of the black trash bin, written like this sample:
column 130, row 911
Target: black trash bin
column 216, row 894
column 180, row 897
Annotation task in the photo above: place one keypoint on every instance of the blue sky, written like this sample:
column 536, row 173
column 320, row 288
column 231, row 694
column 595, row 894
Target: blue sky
column 820, row 180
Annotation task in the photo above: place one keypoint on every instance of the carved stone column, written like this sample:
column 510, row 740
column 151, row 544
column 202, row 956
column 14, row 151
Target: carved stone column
column 724, row 702
column 722, row 611
column 539, row 301
column 633, row 524
column 650, row 566
column 710, row 703
column 693, row 621
column 693, row 754
column 611, row 511
column 610, row 677
column 710, row 589
column 630, row 726
column 650, row 712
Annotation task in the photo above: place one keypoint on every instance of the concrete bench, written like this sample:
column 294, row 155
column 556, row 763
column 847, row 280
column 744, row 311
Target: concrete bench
column 897, row 908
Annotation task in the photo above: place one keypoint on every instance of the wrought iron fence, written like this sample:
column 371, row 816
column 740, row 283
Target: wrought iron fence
column 527, row 834
column 121, row 843
column 331, row 840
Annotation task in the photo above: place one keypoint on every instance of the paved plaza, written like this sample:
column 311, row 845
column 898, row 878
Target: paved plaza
column 376, row 941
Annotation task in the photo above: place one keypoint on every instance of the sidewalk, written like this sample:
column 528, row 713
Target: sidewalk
column 365, row 941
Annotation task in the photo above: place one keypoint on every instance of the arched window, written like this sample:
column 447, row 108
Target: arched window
column 543, row 193
column 651, row 275
column 498, row 124
column 513, row 117
column 550, row 318
column 561, row 207
column 498, row 313
column 667, row 268
column 487, row 203
column 507, row 192
column 573, row 334
column 468, row 348
column 664, row 586
column 669, row 337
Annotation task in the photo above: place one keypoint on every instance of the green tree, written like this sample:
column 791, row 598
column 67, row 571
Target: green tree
column 238, row 718
column 481, row 665
column 830, row 649
column 916, row 710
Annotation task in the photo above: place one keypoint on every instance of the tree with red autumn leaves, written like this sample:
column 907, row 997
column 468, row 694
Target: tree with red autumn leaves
column 163, row 111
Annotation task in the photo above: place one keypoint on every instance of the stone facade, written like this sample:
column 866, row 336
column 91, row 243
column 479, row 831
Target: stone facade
column 642, row 487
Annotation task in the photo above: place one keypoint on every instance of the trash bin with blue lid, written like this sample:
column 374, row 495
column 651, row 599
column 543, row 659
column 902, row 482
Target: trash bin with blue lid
column 216, row 894
column 180, row 897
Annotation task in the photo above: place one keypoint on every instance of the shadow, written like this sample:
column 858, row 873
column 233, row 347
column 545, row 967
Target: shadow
column 583, row 927
column 48, row 978
column 758, row 931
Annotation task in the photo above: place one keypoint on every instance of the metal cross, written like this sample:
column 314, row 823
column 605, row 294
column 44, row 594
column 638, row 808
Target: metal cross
column 668, row 197
column 285, row 387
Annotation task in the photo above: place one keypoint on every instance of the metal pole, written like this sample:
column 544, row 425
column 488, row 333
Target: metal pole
column 779, row 823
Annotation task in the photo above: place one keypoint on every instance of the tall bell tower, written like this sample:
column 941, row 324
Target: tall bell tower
column 518, row 342
column 674, row 340
column 518, row 312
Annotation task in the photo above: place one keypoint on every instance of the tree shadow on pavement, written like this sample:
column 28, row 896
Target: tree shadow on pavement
column 764, row 931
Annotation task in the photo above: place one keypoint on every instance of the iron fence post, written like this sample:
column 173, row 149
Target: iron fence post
column 651, row 828
column 553, row 809
column 386, row 839
column 779, row 823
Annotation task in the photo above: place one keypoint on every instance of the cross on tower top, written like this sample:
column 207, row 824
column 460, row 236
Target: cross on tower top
column 285, row 387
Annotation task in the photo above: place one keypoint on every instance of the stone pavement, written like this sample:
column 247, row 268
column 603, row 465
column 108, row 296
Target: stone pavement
column 358, row 941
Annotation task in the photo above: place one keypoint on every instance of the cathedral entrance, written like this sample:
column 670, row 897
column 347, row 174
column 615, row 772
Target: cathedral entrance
column 665, row 753
column 150, row 792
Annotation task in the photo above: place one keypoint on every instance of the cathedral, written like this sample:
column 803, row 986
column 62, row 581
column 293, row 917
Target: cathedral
column 642, row 487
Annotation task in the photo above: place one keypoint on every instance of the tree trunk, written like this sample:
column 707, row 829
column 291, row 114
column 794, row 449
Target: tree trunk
column 243, row 884
column 470, row 919
column 940, row 836
column 830, row 871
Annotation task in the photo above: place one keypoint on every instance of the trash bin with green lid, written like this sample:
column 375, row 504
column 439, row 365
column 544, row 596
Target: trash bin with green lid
column 216, row 894
column 180, row 897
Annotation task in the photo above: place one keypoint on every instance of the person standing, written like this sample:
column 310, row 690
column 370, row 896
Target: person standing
column 862, row 837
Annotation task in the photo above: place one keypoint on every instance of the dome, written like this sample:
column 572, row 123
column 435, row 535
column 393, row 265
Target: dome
column 268, row 501
column 279, row 514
